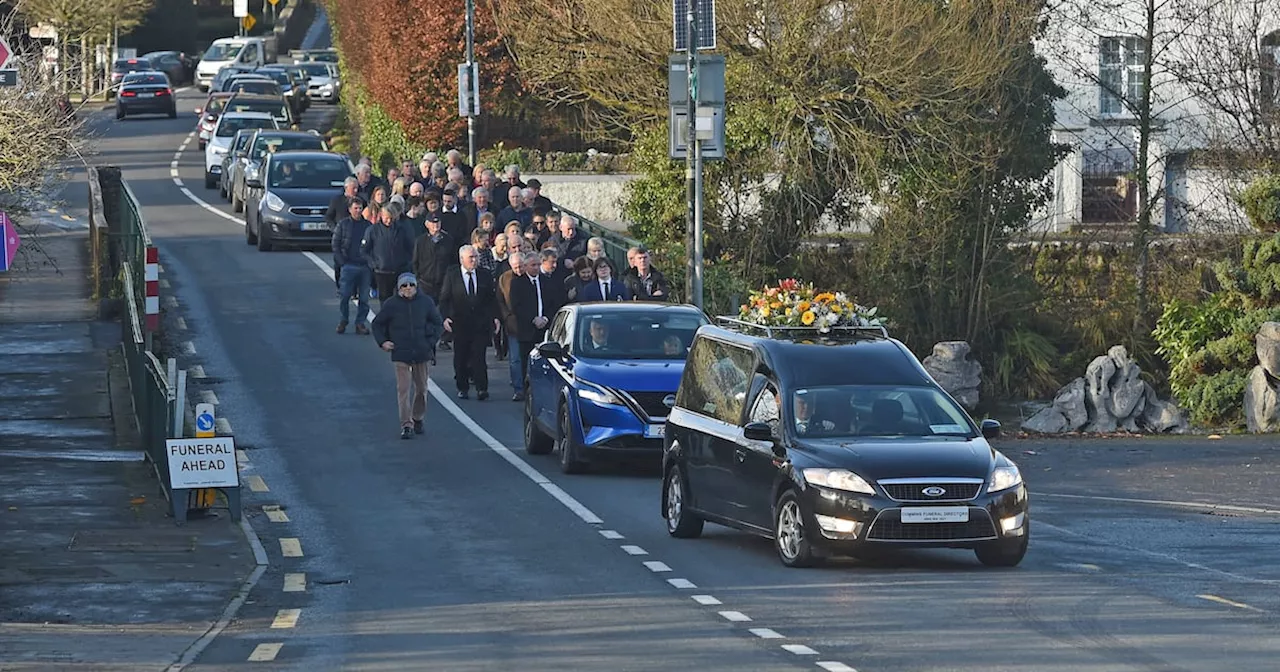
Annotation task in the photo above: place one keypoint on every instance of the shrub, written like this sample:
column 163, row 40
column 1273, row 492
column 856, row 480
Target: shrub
column 1261, row 203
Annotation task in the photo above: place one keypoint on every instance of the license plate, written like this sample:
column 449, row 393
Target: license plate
column 146, row 95
column 314, row 226
column 655, row 431
column 935, row 514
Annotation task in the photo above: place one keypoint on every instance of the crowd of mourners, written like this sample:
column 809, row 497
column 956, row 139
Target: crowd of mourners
column 493, row 259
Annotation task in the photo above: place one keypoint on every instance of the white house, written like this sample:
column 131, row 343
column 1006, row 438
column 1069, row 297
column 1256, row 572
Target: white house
column 1097, row 53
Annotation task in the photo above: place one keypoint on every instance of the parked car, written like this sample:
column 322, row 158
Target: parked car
column 171, row 63
column 239, row 149
column 602, row 383
column 220, row 140
column 833, row 444
column 145, row 92
column 208, row 114
column 125, row 66
column 263, row 142
column 324, row 82
column 286, row 202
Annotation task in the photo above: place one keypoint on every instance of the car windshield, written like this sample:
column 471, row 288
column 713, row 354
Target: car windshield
column 310, row 173
column 276, row 143
column 315, row 69
column 132, row 65
column 215, row 105
column 222, row 52
column 230, row 125
column 636, row 334
column 145, row 79
column 868, row 410
column 279, row 75
column 242, row 139
column 255, row 86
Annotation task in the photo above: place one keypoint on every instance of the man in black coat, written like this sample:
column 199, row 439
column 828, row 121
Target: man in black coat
column 408, row 326
column 388, row 248
column 533, row 303
column 432, row 256
column 334, row 213
column 468, row 304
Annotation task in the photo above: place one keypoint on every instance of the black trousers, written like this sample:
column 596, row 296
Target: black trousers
column 468, row 359
column 385, row 283
column 337, row 273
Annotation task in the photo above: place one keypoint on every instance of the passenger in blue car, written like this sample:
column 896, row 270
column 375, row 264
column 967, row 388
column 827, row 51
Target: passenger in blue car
column 598, row 339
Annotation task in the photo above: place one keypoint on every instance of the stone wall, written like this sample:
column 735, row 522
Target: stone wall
column 596, row 197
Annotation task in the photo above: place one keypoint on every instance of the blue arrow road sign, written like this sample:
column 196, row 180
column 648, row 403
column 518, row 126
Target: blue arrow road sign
column 204, row 422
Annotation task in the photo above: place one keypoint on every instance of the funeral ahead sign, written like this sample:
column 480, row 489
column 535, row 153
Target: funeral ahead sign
column 202, row 463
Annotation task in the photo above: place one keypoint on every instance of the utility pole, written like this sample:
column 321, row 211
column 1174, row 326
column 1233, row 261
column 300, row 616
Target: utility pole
column 474, row 75
column 693, row 167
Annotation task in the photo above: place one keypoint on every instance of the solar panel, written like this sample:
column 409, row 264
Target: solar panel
column 706, row 15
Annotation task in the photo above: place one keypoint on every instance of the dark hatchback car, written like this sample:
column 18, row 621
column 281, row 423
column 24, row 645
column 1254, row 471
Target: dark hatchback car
column 172, row 63
column 124, row 66
column 833, row 444
column 286, row 202
column 292, row 90
column 604, row 380
column 145, row 93
column 247, row 161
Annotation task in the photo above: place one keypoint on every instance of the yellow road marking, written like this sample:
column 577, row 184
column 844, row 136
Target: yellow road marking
column 256, row 484
column 265, row 653
column 290, row 547
column 295, row 583
column 275, row 514
column 286, row 618
column 1230, row 603
column 242, row 457
column 53, row 211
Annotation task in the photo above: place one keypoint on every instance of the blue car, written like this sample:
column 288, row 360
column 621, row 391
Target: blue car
column 605, row 378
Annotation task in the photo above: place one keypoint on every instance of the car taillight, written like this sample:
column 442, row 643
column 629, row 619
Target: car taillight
column 127, row 94
column 163, row 92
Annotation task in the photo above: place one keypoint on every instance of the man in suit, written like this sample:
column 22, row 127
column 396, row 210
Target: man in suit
column 533, row 303
column 606, row 287
column 467, row 302
column 506, row 281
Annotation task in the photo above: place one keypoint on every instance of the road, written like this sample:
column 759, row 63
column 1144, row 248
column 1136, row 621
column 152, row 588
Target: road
column 456, row 552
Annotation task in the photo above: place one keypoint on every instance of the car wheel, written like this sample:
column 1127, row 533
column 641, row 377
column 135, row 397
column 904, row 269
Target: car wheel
column 120, row 113
column 790, row 537
column 681, row 522
column 249, row 237
column 569, row 461
column 1004, row 553
column 210, row 181
column 173, row 113
column 222, row 188
column 535, row 441
column 264, row 240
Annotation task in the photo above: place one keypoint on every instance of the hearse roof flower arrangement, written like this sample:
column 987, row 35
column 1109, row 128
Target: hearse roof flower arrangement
column 791, row 303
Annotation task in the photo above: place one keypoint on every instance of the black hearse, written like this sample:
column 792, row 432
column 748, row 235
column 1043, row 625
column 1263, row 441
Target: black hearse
column 833, row 443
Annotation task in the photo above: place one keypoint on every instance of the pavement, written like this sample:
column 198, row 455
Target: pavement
column 93, row 573
column 457, row 552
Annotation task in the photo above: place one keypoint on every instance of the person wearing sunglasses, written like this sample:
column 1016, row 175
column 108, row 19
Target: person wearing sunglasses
column 408, row 326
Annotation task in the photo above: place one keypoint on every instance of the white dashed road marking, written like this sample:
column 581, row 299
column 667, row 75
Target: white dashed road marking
column 735, row 616
column 705, row 600
column 634, row 550
column 209, row 397
column 799, row 649
column 295, row 582
column 256, row 484
column 682, row 583
column 611, row 534
column 223, row 427
column 766, row 633
column 291, row 547
column 655, row 566
column 286, row 618
column 832, row 666
column 265, row 653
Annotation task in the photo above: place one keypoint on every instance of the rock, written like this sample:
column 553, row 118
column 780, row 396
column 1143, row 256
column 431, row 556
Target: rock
column 1048, row 421
column 951, row 367
column 1097, row 378
column 1128, row 392
column 1070, row 403
column 1163, row 417
column 1261, row 403
column 1267, row 343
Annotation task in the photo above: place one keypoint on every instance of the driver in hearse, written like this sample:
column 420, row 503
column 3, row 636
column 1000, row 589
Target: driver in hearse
column 804, row 407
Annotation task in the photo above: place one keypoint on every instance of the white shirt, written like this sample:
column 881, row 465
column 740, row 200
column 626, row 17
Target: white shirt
column 474, row 285
column 604, row 293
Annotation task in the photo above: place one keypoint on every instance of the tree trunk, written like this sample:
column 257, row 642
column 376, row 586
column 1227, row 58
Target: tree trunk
column 1142, row 234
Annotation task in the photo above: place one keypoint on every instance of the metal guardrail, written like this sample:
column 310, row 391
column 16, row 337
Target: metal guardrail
column 615, row 244
column 153, row 398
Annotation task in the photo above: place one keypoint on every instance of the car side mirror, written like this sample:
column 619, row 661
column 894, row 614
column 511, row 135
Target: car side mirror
column 758, row 431
column 253, row 183
column 551, row 350
column 990, row 428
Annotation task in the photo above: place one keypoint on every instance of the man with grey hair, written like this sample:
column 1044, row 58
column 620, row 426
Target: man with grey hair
column 365, row 182
column 336, row 211
column 454, row 157
column 477, row 206
column 570, row 241
column 467, row 302
column 516, row 210
column 430, row 158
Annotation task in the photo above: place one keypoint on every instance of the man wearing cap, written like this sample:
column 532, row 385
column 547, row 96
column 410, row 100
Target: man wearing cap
column 541, row 204
column 408, row 327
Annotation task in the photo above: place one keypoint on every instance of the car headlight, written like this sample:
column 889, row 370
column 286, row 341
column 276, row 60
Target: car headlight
column 598, row 394
column 274, row 203
column 251, row 172
column 1003, row 478
column 838, row 479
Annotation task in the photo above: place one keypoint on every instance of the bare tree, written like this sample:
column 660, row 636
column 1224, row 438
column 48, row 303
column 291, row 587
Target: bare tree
column 85, row 23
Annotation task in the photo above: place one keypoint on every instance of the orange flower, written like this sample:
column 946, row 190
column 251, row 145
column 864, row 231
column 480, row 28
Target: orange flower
column 804, row 306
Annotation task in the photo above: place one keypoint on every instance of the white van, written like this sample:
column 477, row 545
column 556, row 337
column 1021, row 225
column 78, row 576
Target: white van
column 243, row 51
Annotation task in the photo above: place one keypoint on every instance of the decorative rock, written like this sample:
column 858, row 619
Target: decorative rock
column 955, row 372
column 1267, row 343
column 1261, row 402
column 1110, row 396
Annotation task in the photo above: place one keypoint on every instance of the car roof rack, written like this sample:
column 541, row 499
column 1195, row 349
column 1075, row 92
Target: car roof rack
column 768, row 331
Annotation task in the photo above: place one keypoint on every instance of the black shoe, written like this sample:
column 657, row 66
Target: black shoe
column 482, row 395
column 462, row 394
column 342, row 328
column 406, row 433
column 518, row 396
column 417, row 427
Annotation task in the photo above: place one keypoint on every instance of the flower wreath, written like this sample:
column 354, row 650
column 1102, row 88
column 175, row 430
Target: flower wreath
column 793, row 304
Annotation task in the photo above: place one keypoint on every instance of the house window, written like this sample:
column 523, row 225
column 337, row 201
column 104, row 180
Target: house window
column 1120, row 63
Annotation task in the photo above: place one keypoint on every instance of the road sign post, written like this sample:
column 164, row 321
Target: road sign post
column 699, row 32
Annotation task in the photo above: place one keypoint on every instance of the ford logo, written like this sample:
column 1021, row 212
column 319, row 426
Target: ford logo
column 669, row 401
column 934, row 491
